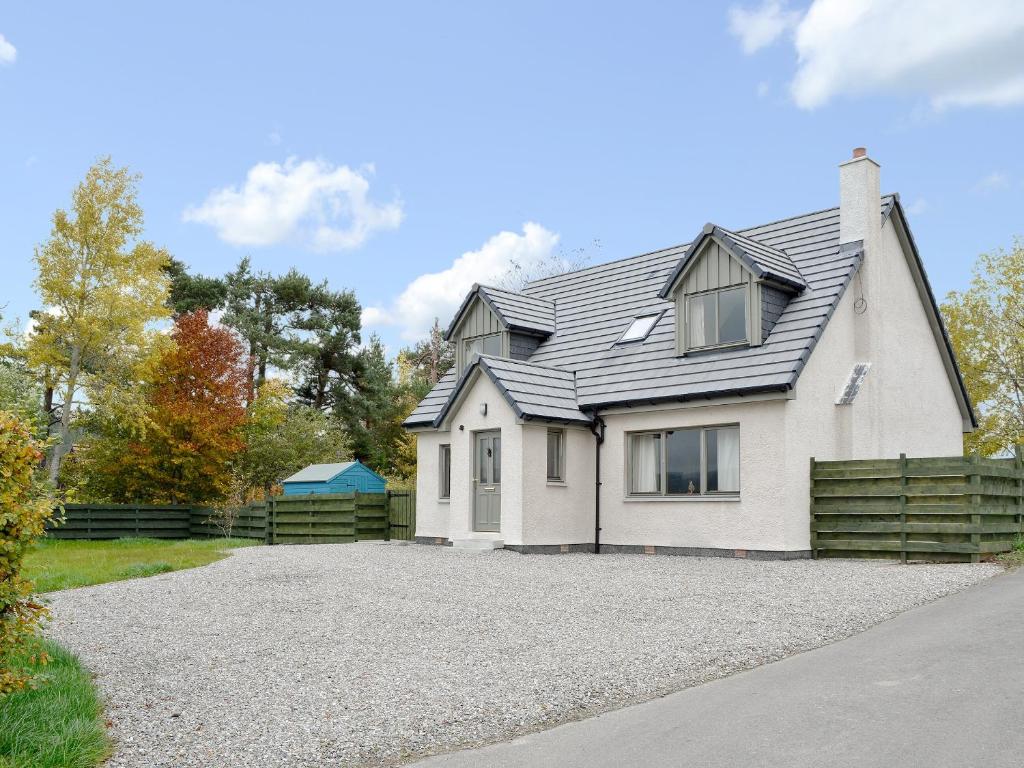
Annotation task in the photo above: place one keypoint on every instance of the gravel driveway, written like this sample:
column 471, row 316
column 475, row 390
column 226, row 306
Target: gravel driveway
column 364, row 654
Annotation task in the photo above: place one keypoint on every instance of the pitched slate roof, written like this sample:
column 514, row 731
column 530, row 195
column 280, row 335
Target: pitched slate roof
column 533, row 391
column 317, row 473
column 765, row 261
column 595, row 306
column 518, row 311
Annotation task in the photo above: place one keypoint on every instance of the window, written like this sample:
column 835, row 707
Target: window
column 482, row 345
column 684, row 462
column 640, row 328
column 716, row 318
column 556, row 455
column 444, row 465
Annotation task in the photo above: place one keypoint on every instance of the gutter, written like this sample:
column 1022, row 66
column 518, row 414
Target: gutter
column 597, row 427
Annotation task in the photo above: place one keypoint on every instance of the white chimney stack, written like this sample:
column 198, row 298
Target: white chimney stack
column 860, row 194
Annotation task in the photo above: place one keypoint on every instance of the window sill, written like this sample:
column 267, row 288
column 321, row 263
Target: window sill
column 557, row 483
column 683, row 499
column 445, row 501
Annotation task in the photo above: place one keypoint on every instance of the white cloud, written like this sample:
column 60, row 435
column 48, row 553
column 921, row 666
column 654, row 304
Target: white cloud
column 438, row 294
column 992, row 182
column 954, row 52
column 759, row 27
column 312, row 202
column 8, row 53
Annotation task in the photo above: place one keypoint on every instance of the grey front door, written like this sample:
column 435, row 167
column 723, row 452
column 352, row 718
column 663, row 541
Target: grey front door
column 487, row 482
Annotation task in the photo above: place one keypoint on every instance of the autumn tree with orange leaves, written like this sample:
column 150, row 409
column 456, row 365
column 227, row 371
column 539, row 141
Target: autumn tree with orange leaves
column 196, row 410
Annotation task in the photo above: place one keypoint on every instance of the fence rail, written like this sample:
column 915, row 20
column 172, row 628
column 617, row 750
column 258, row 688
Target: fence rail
column 957, row 508
column 306, row 519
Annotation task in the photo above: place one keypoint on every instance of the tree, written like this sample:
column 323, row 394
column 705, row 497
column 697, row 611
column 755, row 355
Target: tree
column 424, row 364
column 519, row 273
column 264, row 310
column 191, row 292
column 325, row 359
column 21, row 395
column 373, row 417
column 25, row 506
column 282, row 438
column 986, row 327
column 103, row 288
column 184, row 453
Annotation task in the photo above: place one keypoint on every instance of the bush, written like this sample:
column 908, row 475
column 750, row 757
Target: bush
column 25, row 505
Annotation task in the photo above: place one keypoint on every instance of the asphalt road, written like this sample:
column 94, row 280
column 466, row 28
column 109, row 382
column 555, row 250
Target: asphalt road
column 941, row 685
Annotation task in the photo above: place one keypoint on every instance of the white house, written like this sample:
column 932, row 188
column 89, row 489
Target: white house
column 672, row 401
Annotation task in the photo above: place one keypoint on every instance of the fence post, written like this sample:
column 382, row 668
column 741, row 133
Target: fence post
column 975, row 482
column 814, row 520
column 387, row 515
column 903, row 508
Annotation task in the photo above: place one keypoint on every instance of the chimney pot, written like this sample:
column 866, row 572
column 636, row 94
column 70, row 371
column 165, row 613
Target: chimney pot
column 859, row 152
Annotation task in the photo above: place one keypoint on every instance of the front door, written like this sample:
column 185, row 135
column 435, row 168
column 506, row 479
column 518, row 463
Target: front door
column 487, row 482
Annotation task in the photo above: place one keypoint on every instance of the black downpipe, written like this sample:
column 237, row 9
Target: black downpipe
column 597, row 427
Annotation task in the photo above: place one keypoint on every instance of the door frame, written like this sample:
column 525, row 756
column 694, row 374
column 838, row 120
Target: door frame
column 474, row 480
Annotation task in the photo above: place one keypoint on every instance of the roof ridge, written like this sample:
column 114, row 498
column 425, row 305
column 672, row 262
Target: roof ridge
column 741, row 230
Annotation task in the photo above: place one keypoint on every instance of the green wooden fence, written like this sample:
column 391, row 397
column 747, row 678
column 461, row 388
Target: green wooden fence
column 117, row 521
column 327, row 518
column 956, row 509
column 307, row 519
column 402, row 514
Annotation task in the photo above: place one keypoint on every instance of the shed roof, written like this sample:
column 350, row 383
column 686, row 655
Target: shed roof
column 595, row 305
column 517, row 311
column 320, row 473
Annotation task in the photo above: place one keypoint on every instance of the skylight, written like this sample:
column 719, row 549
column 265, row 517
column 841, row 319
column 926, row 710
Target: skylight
column 640, row 327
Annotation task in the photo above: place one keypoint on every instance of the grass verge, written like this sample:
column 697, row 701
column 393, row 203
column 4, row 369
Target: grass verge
column 55, row 564
column 1014, row 558
column 58, row 723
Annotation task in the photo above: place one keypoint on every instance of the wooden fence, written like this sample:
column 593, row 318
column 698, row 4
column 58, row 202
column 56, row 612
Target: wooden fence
column 307, row 519
column 117, row 521
column 325, row 518
column 956, row 509
column 402, row 514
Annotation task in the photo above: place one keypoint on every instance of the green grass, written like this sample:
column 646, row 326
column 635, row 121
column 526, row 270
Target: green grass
column 57, row 723
column 55, row 564
column 1015, row 558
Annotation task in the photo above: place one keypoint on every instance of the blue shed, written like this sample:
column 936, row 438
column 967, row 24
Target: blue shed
column 334, row 478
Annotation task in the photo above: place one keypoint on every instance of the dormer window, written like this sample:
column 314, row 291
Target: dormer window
column 482, row 345
column 640, row 328
column 717, row 318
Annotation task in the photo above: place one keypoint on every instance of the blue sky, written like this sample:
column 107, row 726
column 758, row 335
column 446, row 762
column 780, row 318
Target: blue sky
column 377, row 144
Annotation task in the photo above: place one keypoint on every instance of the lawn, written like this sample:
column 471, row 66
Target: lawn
column 57, row 564
column 58, row 723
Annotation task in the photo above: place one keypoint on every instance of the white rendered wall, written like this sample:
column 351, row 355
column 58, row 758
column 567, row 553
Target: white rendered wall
column 458, row 523
column 558, row 513
column 756, row 520
column 431, row 511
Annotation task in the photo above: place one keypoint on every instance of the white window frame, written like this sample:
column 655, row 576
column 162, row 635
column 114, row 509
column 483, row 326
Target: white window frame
column 444, row 464
column 560, row 478
column 662, row 493
column 690, row 347
column 468, row 340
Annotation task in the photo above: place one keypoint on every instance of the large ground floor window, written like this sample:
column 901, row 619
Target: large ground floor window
column 684, row 462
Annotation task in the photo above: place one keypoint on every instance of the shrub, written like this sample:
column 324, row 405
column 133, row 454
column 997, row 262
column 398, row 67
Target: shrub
column 25, row 505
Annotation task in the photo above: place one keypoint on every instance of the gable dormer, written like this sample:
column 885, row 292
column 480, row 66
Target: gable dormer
column 500, row 323
column 729, row 290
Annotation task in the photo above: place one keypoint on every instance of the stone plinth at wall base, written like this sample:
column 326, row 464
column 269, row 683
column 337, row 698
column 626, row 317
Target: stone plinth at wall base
column 750, row 554
column 549, row 549
column 440, row 541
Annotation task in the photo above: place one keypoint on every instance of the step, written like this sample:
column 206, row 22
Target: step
column 478, row 545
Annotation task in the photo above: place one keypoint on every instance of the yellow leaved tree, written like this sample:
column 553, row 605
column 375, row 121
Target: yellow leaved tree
column 102, row 288
column 986, row 326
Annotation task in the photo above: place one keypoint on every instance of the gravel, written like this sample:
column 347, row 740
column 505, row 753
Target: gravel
column 372, row 653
